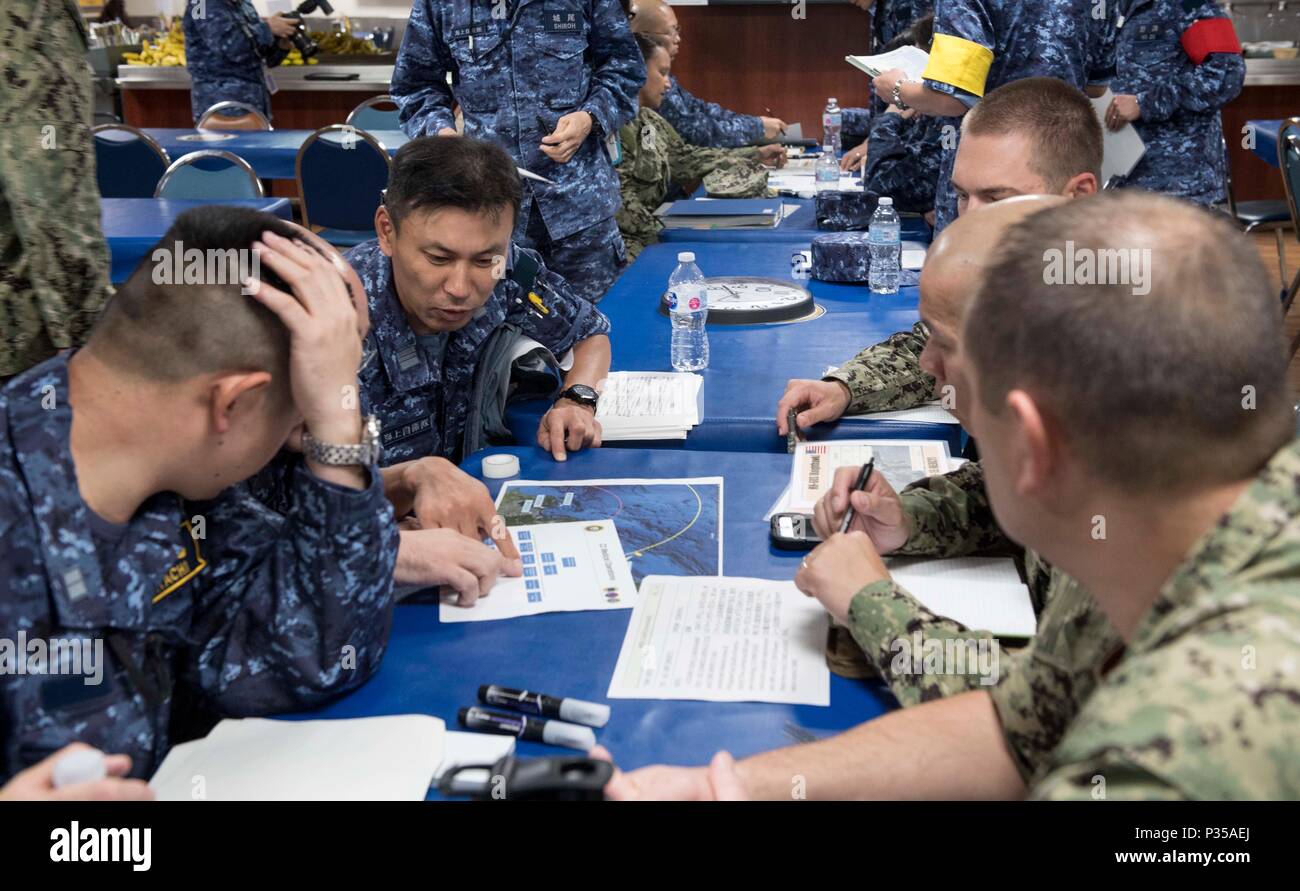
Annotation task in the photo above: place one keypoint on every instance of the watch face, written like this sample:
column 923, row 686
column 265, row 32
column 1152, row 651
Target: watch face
column 748, row 300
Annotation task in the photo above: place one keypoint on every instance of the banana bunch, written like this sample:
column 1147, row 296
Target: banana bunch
column 335, row 43
column 167, row 51
column 295, row 58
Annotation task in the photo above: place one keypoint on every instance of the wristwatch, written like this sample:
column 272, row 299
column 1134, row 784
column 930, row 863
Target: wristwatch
column 364, row 453
column 898, row 95
column 581, row 394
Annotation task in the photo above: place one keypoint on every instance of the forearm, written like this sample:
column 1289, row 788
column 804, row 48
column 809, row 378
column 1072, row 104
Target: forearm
column 344, row 428
column 590, row 362
column 952, row 748
column 931, row 102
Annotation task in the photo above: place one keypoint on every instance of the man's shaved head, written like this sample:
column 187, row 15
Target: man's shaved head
column 1145, row 330
column 656, row 19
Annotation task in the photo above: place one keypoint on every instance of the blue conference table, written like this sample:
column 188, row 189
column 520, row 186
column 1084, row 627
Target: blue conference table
column 749, row 365
column 271, row 153
column 436, row 669
column 132, row 226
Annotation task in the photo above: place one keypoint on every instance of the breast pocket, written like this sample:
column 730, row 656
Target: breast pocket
column 480, row 70
column 561, row 68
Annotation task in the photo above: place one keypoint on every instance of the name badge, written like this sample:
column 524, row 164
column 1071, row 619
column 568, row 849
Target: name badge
column 401, row 432
column 1149, row 33
column 475, row 30
column 561, row 22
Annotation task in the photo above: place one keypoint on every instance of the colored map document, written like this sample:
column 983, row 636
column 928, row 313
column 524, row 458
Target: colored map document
column 722, row 639
column 667, row 526
column 568, row 567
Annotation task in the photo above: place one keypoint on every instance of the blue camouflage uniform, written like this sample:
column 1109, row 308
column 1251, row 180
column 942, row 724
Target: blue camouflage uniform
column 903, row 160
column 1178, row 98
column 707, row 123
column 421, row 394
column 979, row 45
column 224, row 64
column 514, row 77
column 263, row 613
column 889, row 18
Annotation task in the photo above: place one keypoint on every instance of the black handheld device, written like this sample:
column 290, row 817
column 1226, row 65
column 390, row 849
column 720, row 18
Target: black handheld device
column 793, row 532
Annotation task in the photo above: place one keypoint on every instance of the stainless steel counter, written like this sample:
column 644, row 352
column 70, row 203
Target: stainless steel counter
column 370, row 78
column 1272, row 72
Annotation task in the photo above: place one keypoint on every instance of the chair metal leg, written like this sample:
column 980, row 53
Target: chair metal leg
column 1281, row 255
column 1289, row 297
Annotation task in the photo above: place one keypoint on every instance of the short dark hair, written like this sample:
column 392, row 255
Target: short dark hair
column 919, row 34
column 172, row 330
column 648, row 44
column 452, row 171
column 1165, row 390
column 1058, row 120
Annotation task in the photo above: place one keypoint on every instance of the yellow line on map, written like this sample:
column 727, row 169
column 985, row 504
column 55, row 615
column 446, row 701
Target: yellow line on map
column 699, row 509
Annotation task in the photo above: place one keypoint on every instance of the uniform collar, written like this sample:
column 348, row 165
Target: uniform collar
column 82, row 597
column 1196, row 590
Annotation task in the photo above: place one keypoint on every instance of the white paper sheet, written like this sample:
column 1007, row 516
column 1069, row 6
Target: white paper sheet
column 390, row 758
column 930, row 413
column 649, row 405
column 983, row 593
column 567, row 567
column 460, row 748
column 911, row 59
column 1122, row 148
column 901, row 461
column 721, row 639
column 793, row 132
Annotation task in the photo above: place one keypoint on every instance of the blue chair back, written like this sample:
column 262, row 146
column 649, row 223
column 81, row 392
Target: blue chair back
column 377, row 113
column 128, row 161
column 212, row 175
column 341, row 173
column 1288, row 158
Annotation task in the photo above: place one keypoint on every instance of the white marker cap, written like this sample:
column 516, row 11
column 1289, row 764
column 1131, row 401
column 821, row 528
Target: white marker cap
column 593, row 714
column 500, row 467
column 558, row 733
column 81, row 766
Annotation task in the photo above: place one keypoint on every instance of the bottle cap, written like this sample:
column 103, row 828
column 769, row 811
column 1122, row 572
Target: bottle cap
column 500, row 467
column 886, row 202
column 686, row 257
column 831, row 101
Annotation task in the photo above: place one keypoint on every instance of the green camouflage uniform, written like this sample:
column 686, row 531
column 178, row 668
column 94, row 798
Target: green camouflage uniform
column 53, row 260
column 888, row 376
column 1205, row 703
column 655, row 156
column 951, row 517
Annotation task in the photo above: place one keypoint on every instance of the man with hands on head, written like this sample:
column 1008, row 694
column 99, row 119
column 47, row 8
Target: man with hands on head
column 1200, row 558
column 134, row 537
column 441, row 278
column 550, row 84
column 1037, row 136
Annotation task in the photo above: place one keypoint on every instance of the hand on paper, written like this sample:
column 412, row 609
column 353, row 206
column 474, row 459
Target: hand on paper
column 429, row 557
column 568, row 425
column 877, row 510
column 839, row 568
column 442, row 496
column 853, row 158
column 772, row 127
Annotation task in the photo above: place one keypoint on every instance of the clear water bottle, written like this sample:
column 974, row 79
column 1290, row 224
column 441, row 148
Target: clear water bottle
column 832, row 124
column 885, row 238
column 827, row 171
column 688, row 307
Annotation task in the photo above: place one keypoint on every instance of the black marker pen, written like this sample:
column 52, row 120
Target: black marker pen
column 592, row 714
column 556, row 733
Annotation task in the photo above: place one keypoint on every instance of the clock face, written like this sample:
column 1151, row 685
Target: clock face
column 748, row 300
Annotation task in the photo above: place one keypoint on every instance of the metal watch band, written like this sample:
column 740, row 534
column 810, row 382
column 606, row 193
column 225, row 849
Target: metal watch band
column 363, row 454
column 898, row 96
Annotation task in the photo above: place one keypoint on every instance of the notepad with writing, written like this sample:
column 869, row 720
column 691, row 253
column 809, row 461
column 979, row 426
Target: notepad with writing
column 983, row 593
column 911, row 59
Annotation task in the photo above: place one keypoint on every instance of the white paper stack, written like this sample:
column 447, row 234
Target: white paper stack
column 649, row 405
column 983, row 593
column 391, row 758
column 1122, row 148
column 900, row 461
column 911, row 59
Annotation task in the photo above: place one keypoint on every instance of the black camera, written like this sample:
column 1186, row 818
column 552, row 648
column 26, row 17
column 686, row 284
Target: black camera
column 305, row 44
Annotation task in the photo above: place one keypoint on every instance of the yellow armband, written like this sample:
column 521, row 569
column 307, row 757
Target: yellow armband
column 962, row 63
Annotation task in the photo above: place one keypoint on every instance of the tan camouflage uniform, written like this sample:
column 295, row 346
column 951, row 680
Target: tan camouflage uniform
column 53, row 259
column 951, row 517
column 888, row 376
column 1205, row 703
column 655, row 156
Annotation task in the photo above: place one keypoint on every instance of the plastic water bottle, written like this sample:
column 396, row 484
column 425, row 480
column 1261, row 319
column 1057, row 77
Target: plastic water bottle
column 885, row 238
column 827, row 171
column 832, row 123
column 688, row 307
